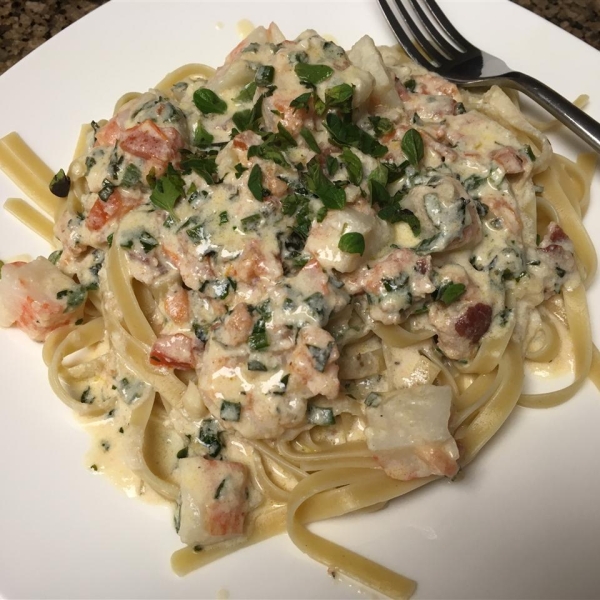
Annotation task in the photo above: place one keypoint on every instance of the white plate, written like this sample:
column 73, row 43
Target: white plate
column 524, row 523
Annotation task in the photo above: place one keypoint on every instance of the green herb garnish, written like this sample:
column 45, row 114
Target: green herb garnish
column 352, row 243
column 412, row 146
column 312, row 74
column 60, row 184
column 208, row 102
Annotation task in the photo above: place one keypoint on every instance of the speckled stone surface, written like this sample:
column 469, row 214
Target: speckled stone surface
column 24, row 25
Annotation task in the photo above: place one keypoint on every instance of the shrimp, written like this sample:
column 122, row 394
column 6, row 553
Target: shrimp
column 214, row 500
column 408, row 433
column 312, row 364
column 39, row 298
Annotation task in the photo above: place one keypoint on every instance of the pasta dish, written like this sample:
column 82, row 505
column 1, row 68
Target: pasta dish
column 301, row 285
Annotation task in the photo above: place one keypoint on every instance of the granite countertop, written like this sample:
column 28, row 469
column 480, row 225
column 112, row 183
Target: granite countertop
column 25, row 24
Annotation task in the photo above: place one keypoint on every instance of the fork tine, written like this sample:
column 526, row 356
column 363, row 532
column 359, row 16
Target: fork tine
column 405, row 41
column 430, row 50
column 445, row 24
column 437, row 36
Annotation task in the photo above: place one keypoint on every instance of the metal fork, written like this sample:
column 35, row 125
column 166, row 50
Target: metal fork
column 431, row 40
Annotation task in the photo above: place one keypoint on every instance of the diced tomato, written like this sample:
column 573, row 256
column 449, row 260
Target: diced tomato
column 174, row 351
column 147, row 140
column 116, row 207
column 108, row 134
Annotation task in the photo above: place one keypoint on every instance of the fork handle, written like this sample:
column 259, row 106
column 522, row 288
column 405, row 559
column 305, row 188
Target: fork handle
column 566, row 112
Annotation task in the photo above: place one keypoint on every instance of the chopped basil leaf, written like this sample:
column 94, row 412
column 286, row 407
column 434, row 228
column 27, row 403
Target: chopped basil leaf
column 195, row 231
column 109, row 240
column 450, row 292
column 349, row 134
column 309, row 138
column 352, row 242
column 332, row 164
column 301, row 102
column 201, row 332
column 75, row 296
column 203, row 165
column 255, row 182
column 247, row 93
column 258, row 339
column 208, row 102
column 373, row 400
column 412, row 146
column 221, row 486
column 251, row 223
column 381, row 126
column 312, row 74
column 321, row 214
column 60, row 184
column 264, row 75
column 394, row 214
column 147, row 241
column 248, row 119
column 90, row 161
column 410, row 85
column 340, row 96
column 268, row 151
column 319, row 416
column 379, row 174
column 529, row 152
column 331, row 195
column 223, row 218
column 379, row 194
column 281, row 386
column 353, row 166
column 472, row 182
column 396, row 283
column 210, row 436
column 183, row 453
column 285, row 136
column 230, row 411
column 131, row 176
column 239, row 169
column 107, row 189
column 202, row 137
column 256, row 365
column 87, row 397
column 460, row 109
column 54, row 257
column 167, row 190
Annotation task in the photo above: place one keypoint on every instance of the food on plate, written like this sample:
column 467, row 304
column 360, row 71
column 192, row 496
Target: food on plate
column 301, row 285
